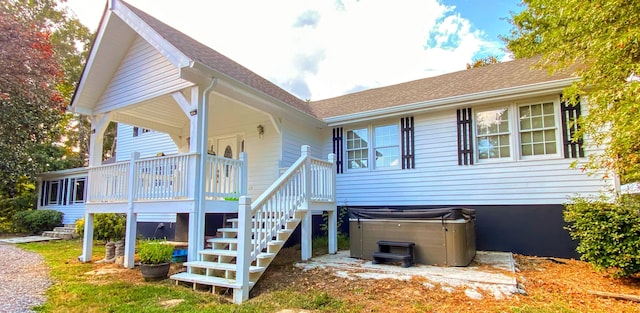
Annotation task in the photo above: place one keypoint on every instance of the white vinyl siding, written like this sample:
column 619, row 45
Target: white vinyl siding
column 148, row 144
column 294, row 136
column 438, row 179
column 144, row 73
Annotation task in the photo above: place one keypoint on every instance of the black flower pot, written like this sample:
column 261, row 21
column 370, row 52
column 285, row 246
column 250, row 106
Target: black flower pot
column 152, row 272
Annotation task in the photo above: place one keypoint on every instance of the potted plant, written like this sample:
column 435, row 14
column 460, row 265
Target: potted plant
column 155, row 259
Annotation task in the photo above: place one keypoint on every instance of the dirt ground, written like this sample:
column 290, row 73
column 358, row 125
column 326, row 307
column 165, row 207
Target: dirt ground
column 551, row 285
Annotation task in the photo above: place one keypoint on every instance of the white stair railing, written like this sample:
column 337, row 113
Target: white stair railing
column 260, row 221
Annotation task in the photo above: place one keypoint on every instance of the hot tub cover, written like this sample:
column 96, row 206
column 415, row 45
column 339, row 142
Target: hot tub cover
column 422, row 214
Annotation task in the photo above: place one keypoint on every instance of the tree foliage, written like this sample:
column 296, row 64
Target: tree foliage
column 600, row 41
column 41, row 59
column 492, row 59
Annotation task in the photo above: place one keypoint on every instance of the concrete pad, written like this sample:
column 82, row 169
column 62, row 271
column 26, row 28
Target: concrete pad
column 27, row 239
column 497, row 275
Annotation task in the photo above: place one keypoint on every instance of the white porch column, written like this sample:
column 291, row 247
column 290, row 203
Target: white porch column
column 99, row 124
column 196, row 127
column 87, row 241
column 198, row 144
column 306, row 230
column 132, row 218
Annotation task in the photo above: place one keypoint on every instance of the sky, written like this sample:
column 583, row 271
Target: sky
column 322, row 49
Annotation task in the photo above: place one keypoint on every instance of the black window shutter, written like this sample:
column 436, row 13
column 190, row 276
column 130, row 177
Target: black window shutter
column 337, row 148
column 570, row 114
column 407, row 144
column 465, row 137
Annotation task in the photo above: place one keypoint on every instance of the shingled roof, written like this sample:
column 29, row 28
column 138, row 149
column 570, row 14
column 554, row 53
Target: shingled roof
column 510, row 74
column 218, row 62
column 483, row 79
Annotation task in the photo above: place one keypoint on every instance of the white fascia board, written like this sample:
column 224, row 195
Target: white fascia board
column 173, row 54
column 505, row 94
column 78, row 171
column 87, row 67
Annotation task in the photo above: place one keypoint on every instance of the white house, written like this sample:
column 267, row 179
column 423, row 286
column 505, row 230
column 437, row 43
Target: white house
column 495, row 138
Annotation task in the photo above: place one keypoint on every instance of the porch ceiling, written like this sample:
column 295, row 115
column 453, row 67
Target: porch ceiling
column 161, row 113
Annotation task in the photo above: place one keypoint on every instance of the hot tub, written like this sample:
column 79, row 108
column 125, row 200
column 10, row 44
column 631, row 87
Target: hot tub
column 442, row 236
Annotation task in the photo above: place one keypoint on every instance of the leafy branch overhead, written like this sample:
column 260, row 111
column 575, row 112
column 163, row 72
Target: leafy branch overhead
column 600, row 43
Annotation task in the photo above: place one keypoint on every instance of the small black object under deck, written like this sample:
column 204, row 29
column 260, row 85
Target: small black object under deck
column 384, row 253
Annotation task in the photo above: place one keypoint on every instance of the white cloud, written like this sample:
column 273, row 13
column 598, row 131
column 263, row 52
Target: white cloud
column 320, row 49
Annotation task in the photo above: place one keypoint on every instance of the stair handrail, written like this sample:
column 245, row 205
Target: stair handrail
column 259, row 221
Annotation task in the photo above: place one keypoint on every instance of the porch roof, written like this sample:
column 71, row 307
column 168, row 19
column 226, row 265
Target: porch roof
column 216, row 61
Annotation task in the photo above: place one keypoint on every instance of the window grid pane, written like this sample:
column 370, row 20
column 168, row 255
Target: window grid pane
column 537, row 129
column 493, row 136
column 387, row 146
column 357, row 148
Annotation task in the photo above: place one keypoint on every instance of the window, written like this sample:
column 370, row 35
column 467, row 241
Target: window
column 385, row 146
column 357, row 148
column 537, row 129
column 387, row 152
column 54, row 192
column 493, row 134
column 137, row 131
column 78, row 191
column 66, row 191
column 517, row 131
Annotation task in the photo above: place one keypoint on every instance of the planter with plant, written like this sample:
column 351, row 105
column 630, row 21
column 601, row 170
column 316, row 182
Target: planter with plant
column 155, row 259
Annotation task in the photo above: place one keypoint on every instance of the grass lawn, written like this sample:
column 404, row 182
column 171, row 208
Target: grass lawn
column 551, row 286
column 125, row 291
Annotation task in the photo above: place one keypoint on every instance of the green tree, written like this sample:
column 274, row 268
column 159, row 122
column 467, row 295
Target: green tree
column 41, row 60
column 599, row 42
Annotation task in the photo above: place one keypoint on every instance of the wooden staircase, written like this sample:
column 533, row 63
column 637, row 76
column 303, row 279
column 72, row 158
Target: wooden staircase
column 238, row 259
column 216, row 266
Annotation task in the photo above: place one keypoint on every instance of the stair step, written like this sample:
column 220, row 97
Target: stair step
column 228, row 230
column 64, row 229
column 207, row 280
column 221, row 266
column 61, row 235
column 232, row 253
column 223, row 240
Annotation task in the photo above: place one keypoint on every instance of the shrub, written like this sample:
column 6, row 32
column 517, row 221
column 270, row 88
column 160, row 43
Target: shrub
column 80, row 227
column 24, row 200
column 608, row 231
column 37, row 221
column 106, row 226
column 155, row 252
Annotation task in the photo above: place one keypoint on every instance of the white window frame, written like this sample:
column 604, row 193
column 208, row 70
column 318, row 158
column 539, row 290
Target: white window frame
column 372, row 146
column 514, row 130
column 510, row 133
column 557, row 130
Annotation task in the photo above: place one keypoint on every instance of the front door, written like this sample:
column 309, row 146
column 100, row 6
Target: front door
column 227, row 147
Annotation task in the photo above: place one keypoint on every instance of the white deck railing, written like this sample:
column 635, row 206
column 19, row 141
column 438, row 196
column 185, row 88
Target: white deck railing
column 166, row 178
column 322, row 180
column 224, row 177
column 161, row 178
column 109, row 183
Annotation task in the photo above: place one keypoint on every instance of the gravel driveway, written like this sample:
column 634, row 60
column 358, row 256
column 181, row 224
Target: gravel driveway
column 23, row 279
